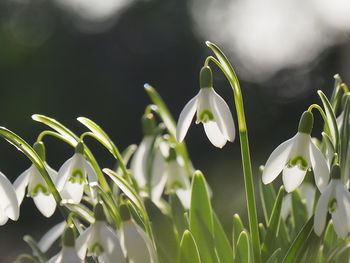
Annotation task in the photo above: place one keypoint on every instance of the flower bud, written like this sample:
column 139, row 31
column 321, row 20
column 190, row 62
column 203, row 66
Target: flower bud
column 206, row 78
column 306, row 122
column 39, row 148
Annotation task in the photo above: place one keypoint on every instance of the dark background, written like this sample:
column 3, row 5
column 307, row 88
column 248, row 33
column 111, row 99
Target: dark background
column 61, row 66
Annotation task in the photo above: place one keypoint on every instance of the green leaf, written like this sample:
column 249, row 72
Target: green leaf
column 79, row 210
column 26, row 258
column 274, row 257
column 262, row 231
column 269, row 244
column 344, row 134
column 299, row 211
column 268, row 197
column 35, row 248
column 188, row 249
column 236, row 231
column 330, row 237
column 300, row 242
column 178, row 214
column 243, row 254
column 164, row 233
column 331, row 120
column 201, row 218
column 337, row 92
column 222, row 245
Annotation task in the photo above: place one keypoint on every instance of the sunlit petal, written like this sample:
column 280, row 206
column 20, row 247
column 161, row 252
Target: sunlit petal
column 21, row 183
column 341, row 215
column 73, row 191
column 322, row 209
column 277, row 161
column 185, row 197
column 3, row 218
column 51, row 236
column 320, row 167
column 214, row 134
column 45, row 203
column 64, row 173
column 8, row 197
column 83, row 241
column 185, row 118
column 110, row 242
column 292, row 177
column 223, row 116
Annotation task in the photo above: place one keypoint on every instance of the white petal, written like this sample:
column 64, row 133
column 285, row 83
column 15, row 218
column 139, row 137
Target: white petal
column 69, row 254
column 341, row 216
column 158, row 169
column 51, row 236
column 45, row 203
column 111, row 245
column 185, row 118
column 292, row 177
column 73, row 191
column 91, row 174
column 322, row 209
column 223, row 116
column 136, row 244
column 185, row 197
column 3, row 218
column 214, row 134
column 8, row 198
column 320, row 167
column 64, row 173
column 56, row 258
column 277, row 161
column 286, row 206
column 82, row 242
column 21, row 183
column 138, row 163
column 308, row 192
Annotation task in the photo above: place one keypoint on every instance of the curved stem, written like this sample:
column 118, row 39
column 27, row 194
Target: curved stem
column 225, row 66
column 52, row 133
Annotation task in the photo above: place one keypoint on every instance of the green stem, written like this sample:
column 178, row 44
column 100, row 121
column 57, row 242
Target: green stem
column 227, row 69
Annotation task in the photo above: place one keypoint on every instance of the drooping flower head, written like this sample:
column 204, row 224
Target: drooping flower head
column 37, row 188
column 74, row 174
column 9, row 207
column 211, row 110
column 100, row 240
column 68, row 252
column 335, row 200
column 136, row 245
column 295, row 156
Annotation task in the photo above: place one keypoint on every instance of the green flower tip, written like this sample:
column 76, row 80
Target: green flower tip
column 172, row 153
column 206, row 77
column 306, row 122
column 335, row 172
column 68, row 238
column 39, row 148
column 79, row 148
column 99, row 213
column 148, row 124
column 124, row 212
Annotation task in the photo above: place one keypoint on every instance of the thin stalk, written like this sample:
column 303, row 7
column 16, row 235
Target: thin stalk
column 227, row 69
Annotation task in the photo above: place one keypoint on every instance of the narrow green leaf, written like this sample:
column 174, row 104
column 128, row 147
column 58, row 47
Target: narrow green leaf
column 188, row 249
column 330, row 237
column 164, row 233
column 201, row 218
column 79, row 210
column 269, row 244
column 337, row 92
column 35, row 248
column 331, row 120
column 268, row 197
column 222, row 245
column 243, row 254
column 344, row 134
column 236, row 231
column 299, row 243
column 299, row 211
column 178, row 214
column 262, row 231
column 275, row 256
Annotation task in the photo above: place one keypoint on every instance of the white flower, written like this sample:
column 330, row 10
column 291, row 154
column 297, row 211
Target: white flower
column 9, row 207
column 67, row 254
column 211, row 110
column 37, row 189
column 295, row 156
column 136, row 245
column 334, row 200
column 100, row 240
column 73, row 175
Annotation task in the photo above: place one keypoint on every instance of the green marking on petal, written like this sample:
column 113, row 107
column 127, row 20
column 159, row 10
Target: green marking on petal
column 299, row 161
column 96, row 249
column 332, row 205
column 205, row 116
column 176, row 185
column 39, row 188
column 77, row 177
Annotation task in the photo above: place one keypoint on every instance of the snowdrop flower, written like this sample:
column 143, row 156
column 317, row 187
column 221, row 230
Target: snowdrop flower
column 136, row 245
column 73, row 174
column 211, row 110
column 68, row 252
column 295, row 156
column 149, row 154
column 32, row 180
column 100, row 240
column 334, row 200
column 9, row 207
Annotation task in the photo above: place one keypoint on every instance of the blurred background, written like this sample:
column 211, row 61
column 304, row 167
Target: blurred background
column 71, row 58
